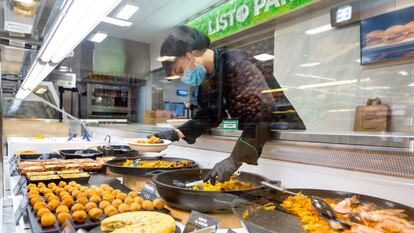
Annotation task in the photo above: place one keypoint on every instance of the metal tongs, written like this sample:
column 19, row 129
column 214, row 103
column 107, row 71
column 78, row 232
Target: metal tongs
column 182, row 184
column 323, row 208
column 135, row 163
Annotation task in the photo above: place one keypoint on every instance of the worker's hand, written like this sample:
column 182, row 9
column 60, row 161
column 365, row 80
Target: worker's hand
column 169, row 134
column 222, row 171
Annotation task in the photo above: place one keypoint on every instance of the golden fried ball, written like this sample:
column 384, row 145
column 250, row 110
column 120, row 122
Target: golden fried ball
column 79, row 216
column 95, row 198
column 68, row 201
column 47, row 195
column 63, row 216
column 33, row 192
column 158, row 203
column 108, row 197
column 72, row 183
column 83, row 188
column 63, row 193
column 41, row 185
column 103, row 185
column 51, row 185
column 82, row 200
column 103, row 204
column 108, row 188
column 82, row 195
column 138, row 200
column 121, row 196
column 88, row 191
column 68, row 188
column 90, row 205
column 47, row 220
column 77, row 206
column 58, row 190
column 39, row 205
column 116, row 192
column 54, row 188
column 117, row 202
column 31, row 185
column 45, row 190
column 95, row 213
column 129, row 200
column 34, row 195
column 77, row 186
column 51, row 197
column 75, row 193
column 53, row 204
column 62, row 184
column 61, row 209
column 35, row 200
column 135, row 207
column 110, row 210
column 42, row 211
column 133, row 194
column 123, row 208
column 147, row 205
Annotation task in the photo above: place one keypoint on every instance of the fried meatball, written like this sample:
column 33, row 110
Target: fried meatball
column 45, row 191
column 35, row 200
column 158, row 203
column 75, row 193
column 42, row 211
column 62, row 184
column 95, row 198
column 61, row 209
column 63, row 216
column 108, row 197
column 117, row 202
column 77, row 206
column 51, row 185
column 33, row 196
column 90, row 205
column 103, row 204
column 68, row 201
column 138, row 200
column 108, row 188
column 47, row 195
column 110, row 210
column 31, row 185
column 95, row 213
column 82, row 195
column 121, row 196
column 123, row 208
column 33, row 192
column 147, row 205
column 63, row 193
column 79, row 216
column 39, row 205
column 82, row 200
column 47, row 220
column 68, row 188
column 58, row 190
column 53, row 204
column 72, row 183
column 129, row 200
column 135, row 207
column 49, row 198
column 116, row 192
column 83, row 188
column 133, row 194
column 41, row 185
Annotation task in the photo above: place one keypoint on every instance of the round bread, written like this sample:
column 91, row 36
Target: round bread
column 140, row 221
column 395, row 34
column 410, row 29
column 374, row 37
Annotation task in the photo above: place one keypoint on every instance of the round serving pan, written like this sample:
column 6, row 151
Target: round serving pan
column 80, row 154
column 203, row 201
column 115, row 165
column 117, row 151
column 282, row 221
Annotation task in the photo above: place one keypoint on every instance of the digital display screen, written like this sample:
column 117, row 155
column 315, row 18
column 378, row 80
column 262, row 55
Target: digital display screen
column 182, row 92
column 179, row 109
column 344, row 14
column 167, row 106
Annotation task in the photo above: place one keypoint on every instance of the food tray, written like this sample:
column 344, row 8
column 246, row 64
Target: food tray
column 98, row 230
column 39, row 156
column 88, row 225
column 80, row 154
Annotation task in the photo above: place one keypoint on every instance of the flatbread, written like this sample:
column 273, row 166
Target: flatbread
column 139, row 222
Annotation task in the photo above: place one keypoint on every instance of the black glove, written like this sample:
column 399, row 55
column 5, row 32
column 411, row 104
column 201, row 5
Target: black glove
column 222, row 171
column 169, row 134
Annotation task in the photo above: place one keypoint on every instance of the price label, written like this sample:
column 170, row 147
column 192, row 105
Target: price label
column 19, row 185
column 21, row 209
column 149, row 192
column 199, row 222
column 67, row 227
column 230, row 124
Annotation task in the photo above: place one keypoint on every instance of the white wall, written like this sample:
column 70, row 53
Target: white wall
column 332, row 108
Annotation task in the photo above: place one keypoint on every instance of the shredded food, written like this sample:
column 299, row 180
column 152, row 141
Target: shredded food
column 151, row 140
column 159, row 163
column 232, row 184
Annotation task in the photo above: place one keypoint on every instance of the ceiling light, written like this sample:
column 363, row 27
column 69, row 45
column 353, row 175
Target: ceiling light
column 98, row 37
column 264, row 57
column 318, row 30
column 41, row 90
column 172, row 77
column 310, row 64
column 127, row 11
column 117, row 22
column 342, row 110
column 328, row 84
column 166, row 58
column 374, row 88
column 403, row 73
column 273, row 90
column 76, row 20
column 411, row 84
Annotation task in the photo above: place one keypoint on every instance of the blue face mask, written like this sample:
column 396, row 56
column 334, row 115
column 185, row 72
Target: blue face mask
column 194, row 77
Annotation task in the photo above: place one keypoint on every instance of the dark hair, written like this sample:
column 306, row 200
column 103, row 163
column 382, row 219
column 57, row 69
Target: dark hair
column 183, row 39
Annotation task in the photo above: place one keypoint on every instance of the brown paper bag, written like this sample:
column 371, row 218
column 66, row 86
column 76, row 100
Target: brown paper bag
column 372, row 117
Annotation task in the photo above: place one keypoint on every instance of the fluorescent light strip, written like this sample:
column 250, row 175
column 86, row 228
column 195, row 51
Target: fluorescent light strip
column 274, row 90
column 318, row 30
column 98, row 37
column 403, row 73
column 117, row 22
column 342, row 110
column 328, row 84
column 264, row 57
column 127, row 11
column 172, row 77
column 310, row 64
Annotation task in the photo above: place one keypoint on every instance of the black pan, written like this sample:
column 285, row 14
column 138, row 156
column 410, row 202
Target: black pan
column 80, row 154
column 117, row 151
column 282, row 221
column 203, row 201
column 115, row 166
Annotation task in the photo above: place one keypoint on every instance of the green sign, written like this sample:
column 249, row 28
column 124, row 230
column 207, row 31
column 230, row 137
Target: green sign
column 236, row 15
column 230, row 124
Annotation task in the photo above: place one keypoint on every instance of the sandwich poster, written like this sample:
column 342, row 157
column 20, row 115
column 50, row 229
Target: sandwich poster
column 388, row 37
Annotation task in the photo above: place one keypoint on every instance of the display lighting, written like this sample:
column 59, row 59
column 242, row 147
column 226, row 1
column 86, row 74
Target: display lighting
column 29, row 2
column 318, row 30
column 98, row 37
column 127, row 11
column 172, row 77
column 403, row 73
column 273, row 90
column 264, row 57
column 328, row 84
column 310, row 64
column 117, row 22
column 76, row 20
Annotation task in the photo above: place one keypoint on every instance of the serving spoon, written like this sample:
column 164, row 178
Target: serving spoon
column 323, row 208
